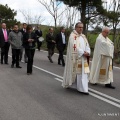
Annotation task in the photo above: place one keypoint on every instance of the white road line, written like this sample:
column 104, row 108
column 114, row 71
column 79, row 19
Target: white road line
column 47, row 72
column 58, row 79
column 116, row 67
column 99, row 93
column 104, row 99
column 65, row 56
column 54, row 53
column 99, row 97
column 90, row 61
column 104, row 95
column 44, row 70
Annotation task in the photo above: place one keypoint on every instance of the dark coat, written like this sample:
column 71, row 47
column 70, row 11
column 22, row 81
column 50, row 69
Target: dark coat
column 59, row 42
column 49, row 39
column 2, row 40
column 38, row 33
column 26, row 43
column 22, row 31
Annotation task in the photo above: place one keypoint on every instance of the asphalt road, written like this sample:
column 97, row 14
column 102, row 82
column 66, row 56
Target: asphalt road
column 40, row 96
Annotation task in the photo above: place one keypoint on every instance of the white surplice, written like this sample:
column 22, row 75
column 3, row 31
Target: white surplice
column 73, row 77
column 101, row 68
column 81, row 83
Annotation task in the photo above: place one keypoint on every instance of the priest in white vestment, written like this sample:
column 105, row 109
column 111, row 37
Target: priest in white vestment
column 101, row 68
column 77, row 69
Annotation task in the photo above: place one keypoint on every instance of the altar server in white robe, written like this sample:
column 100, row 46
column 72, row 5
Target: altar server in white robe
column 101, row 68
column 77, row 69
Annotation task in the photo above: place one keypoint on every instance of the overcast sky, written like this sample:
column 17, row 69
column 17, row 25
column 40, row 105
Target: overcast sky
column 29, row 5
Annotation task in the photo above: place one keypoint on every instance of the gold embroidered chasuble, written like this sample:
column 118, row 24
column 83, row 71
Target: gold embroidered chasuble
column 101, row 68
column 75, row 64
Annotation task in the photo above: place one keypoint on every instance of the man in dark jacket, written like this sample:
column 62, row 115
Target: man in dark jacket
column 4, row 45
column 50, row 38
column 38, row 32
column 23, row 31
column 61, row 44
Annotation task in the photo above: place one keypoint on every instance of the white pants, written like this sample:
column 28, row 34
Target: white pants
column 81, row 83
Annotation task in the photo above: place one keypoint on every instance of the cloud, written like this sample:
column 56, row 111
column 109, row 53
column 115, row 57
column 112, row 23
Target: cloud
column 33, row 6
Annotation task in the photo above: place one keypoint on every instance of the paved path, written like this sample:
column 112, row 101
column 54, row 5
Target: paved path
column 41, row 97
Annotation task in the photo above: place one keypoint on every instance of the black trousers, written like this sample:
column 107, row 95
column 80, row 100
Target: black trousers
column 39, row 44
column 61, row 58
column 51, row 52
column 30, row 54
column 4, row 52
column 15, row 56
column 21, row 53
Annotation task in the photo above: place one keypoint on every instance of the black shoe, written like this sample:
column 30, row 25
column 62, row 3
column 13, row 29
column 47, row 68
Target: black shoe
column 51, row 61
column 85, row 93
column 94, row 84
column 6, row 63
column 1, row 62
column 109, row 86
column 49, row 57
column 18, row 67
column 63, row 65
column 59, row 64
column 12, row 66
column 26, row 61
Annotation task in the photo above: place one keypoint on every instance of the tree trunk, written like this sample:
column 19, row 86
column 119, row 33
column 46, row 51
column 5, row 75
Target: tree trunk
column 83, row 19
column 55, row 21
column 114, row 33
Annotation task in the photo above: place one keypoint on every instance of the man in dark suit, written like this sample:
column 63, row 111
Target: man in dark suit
column 4, row 44
column 61, row 44
column 23, row 30
column 50, row 38
column 38, row 32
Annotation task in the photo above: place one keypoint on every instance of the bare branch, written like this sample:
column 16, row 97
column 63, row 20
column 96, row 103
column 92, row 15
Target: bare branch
column 53, row 8
column 30, row 18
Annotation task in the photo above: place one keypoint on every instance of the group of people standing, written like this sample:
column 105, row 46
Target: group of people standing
column 26, row 39
column 59, row 41
column 77, row 73
column 19, row 40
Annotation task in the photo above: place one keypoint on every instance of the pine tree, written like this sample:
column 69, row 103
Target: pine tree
column 7, row 15
column 87, row 8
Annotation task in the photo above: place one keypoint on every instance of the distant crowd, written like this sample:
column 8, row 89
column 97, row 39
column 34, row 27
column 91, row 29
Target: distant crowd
column 27, row 40
column 76, row 73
